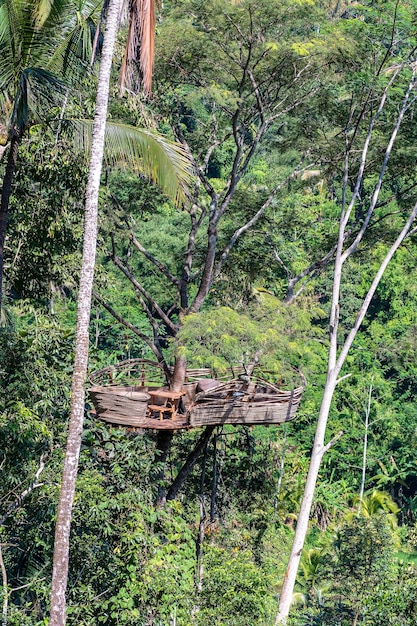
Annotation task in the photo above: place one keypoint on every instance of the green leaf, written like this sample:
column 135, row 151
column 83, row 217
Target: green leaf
column 153, row 155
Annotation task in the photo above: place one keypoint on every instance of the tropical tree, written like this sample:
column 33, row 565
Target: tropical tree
column 254, row 88
column 63, row 523
column 357, row 212
column 41, row 43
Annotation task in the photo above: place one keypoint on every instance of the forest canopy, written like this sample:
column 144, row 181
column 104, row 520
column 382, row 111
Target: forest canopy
column 256, row 210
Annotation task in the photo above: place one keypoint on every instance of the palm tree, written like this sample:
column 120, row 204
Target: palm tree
column 39, row 42
column 172, row 185
column 63, row 522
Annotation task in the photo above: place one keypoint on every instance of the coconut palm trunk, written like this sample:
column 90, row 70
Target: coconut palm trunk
column 63, row 522
column 4, row 202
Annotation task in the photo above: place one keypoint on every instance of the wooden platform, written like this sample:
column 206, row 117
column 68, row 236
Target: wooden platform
column 205, row 402
column 148, row 422
column 131, row 406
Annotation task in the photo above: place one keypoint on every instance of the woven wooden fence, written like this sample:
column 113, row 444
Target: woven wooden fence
column 237, row 402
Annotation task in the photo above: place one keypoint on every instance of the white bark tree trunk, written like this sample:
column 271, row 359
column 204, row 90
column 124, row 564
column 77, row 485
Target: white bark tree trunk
column 319, row 449
column 336, row 359
column 306, row 503
column 63, row 522
column 5, row 589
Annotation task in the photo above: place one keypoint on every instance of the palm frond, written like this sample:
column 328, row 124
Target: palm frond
column 38, row 91
column 156, row 157
column 140, row 45
column 71, row 56
column 3, row 25
column 42, row 12
column 41, row 43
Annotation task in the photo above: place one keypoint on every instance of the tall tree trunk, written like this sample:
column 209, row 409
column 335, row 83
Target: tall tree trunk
column 63, row 523
column 202, row 527
column 164, row 439
column 6, row 191
column 163, row 446
column 306, row 503
column 5, row 589
column 335, row 364
column 336, row 356
column 214, row 485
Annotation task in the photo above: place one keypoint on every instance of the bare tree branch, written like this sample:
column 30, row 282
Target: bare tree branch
column 240, row 231
column 34, row 484
column 367, row 300
column 130, row 326
column 342, row 378
column 162, row 268
column 359, row 179
column 332, row 442
column 351, row 249
column 155, row 329
column 119, row 263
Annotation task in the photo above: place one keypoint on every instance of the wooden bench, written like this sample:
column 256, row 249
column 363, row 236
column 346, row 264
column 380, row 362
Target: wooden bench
column 169, row 401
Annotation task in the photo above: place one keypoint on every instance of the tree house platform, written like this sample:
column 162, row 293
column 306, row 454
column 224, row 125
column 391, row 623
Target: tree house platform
column 203, row 401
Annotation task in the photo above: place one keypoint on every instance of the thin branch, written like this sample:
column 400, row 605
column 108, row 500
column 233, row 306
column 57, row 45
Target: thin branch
column 155, row 329
column 189, row 256
column 359, row 179
column 278, row 258
column 331, row 443
column 311, row 271
column 32, row 582
column 200, row 170
column 365, row 445
column 294, row 104
column 367, row 300
column 162, row 268
column 128, row 325
column 34, row 484
column 394, row 196
column 339, row 380
column 378, row 185
column 119, row 263
column 240, row 231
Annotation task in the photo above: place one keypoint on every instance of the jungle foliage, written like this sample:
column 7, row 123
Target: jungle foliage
column 262, row 96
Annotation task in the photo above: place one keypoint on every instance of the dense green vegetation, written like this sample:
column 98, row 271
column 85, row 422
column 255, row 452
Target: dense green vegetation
column 271, row 100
